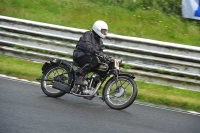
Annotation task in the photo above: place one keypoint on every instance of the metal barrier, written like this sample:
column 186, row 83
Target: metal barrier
column 153, row 61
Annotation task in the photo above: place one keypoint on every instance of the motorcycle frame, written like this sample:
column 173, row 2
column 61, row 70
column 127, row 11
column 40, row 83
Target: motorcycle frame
column 57, row 63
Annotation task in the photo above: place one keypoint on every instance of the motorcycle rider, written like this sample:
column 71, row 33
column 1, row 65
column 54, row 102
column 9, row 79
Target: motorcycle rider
column 88, row 46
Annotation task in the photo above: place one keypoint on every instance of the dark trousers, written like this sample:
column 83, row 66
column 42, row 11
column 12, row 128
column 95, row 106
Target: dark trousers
column 87, row 63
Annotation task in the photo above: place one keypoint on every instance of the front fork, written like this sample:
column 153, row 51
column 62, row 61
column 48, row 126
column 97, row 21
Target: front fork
column 116, row 73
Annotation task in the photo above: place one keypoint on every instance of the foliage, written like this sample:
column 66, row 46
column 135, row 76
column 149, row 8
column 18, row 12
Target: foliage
column 168, row 7
column 152, row 19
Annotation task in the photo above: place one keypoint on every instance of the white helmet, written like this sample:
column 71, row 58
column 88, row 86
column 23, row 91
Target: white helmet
column 98, row 26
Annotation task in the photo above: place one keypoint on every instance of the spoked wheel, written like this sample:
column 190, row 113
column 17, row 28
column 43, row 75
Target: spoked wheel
column 120, row 94
column 60, row 74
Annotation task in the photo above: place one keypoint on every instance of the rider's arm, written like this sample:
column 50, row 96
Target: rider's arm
column 89, row 42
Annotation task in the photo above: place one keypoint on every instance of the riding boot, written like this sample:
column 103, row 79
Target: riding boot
column 81, row 81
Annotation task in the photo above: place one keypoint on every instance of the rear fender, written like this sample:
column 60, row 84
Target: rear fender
column 67, row 65
column 71, row 70
column 52, row 63
column 45, row 66
column 55, row 63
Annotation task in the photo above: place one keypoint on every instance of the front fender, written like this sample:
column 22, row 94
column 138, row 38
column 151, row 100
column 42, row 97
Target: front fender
column 128, row 75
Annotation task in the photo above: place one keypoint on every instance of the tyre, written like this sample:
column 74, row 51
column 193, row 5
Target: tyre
column 121, row 94
column 60, row 73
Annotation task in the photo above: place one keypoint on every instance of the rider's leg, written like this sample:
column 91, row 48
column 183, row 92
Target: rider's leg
column 88, row 63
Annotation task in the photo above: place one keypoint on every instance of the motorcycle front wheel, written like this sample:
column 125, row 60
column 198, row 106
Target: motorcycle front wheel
column 120, row 94
column 61, row 74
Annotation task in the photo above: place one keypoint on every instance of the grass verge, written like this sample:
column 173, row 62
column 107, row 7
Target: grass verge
column 147, row 92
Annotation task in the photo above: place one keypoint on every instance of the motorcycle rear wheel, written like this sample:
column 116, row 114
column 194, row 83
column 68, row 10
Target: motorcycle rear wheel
column 49, row 76
column 120, row 95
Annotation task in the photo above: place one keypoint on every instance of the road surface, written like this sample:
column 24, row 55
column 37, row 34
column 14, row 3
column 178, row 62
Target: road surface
column 24, row 108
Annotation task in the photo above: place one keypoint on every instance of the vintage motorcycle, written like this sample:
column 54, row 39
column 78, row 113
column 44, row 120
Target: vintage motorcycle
column 118, row 90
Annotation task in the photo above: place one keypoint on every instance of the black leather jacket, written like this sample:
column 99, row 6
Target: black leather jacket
column 89, row 44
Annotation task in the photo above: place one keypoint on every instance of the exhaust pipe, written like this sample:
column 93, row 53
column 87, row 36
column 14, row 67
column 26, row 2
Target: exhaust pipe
column 63, row 87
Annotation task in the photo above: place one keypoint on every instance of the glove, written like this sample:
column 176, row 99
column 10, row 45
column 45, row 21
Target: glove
column 101, row 54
